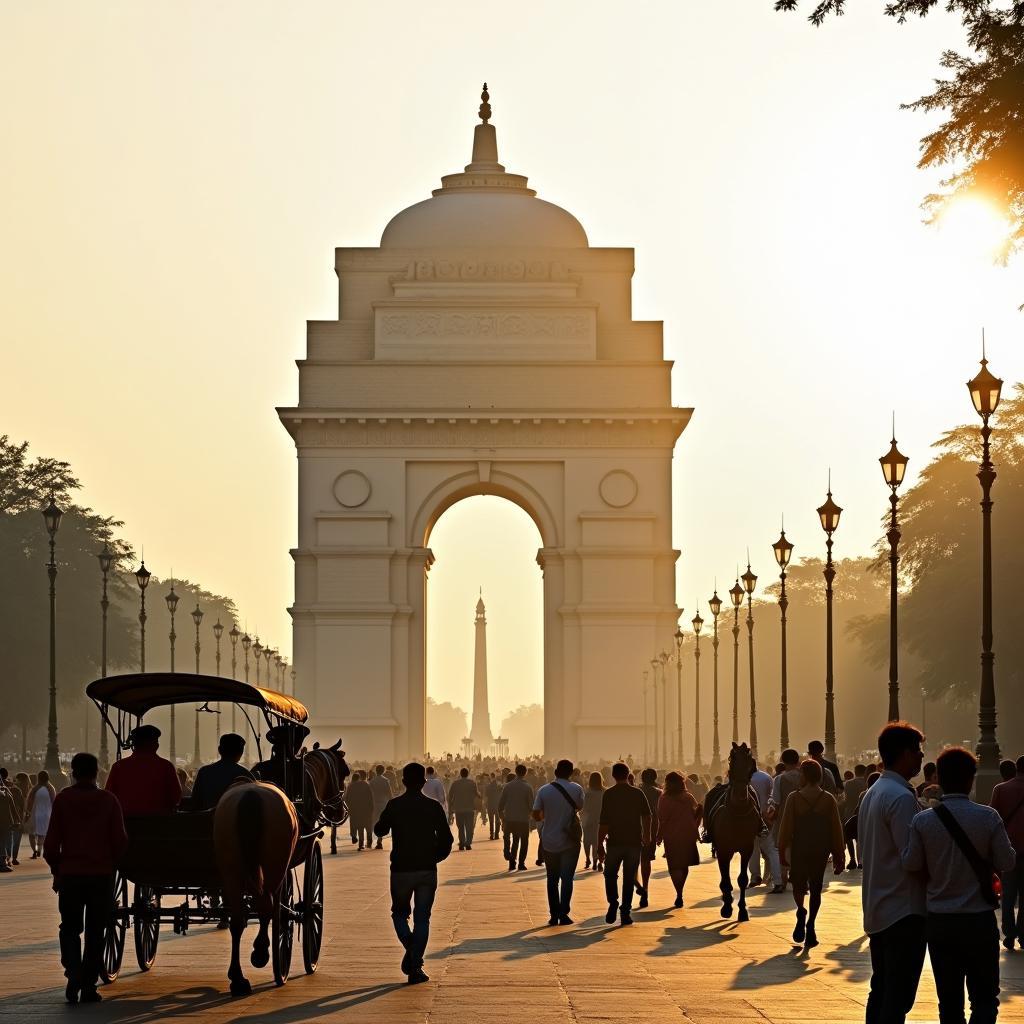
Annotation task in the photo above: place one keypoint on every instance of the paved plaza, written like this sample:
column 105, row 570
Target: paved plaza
column 492, row 958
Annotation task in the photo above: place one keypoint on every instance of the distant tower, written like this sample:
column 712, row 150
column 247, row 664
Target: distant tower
column 480, row 734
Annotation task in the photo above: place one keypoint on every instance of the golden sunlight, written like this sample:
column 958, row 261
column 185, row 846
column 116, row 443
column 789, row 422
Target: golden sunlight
column 974, row 226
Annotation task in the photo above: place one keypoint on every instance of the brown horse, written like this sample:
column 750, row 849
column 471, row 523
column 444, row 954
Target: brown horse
column 323, row 787
column 734, row 822
column 254, row 835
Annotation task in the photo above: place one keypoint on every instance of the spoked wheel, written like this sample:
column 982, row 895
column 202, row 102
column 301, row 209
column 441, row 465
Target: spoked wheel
column 312, row 907
column 282, row 931
column 147, row 925
column 116, row 930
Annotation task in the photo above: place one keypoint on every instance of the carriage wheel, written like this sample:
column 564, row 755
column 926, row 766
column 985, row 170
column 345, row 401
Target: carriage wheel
column 283, row 931
column 147, row 925
column 313, row 907
column 116, row 930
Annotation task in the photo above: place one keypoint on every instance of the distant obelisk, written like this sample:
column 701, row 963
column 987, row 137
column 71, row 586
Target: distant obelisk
column 480, row 734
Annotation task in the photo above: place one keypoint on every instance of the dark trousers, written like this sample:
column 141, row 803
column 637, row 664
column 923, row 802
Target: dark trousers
column 628, row 858
column 897, row 956
column 492, row 822
column 561, row 869
column 84, row 901
column 362, row 835
column 465, row 820
column 1013, row 900
column 964, row 948
column 519, row 842
column 412, row 892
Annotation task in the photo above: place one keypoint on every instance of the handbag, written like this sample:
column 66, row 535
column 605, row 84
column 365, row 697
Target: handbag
column 982, row 869
column 575, row 825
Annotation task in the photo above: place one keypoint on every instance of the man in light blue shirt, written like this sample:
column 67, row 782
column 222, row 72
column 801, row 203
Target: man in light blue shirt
column 557, row 808
column 893, row 898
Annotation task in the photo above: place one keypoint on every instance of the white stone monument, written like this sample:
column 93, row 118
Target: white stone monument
column 483, row 348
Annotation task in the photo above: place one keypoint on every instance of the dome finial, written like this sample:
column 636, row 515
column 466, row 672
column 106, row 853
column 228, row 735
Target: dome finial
column 485, row 106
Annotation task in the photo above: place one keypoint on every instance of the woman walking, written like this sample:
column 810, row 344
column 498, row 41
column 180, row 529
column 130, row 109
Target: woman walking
column 811, row 832
column 20, row 791
column 679, row 816
column 590, row 818
column 40, row 804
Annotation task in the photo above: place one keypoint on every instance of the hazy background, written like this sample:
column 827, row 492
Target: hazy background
column 176, row 176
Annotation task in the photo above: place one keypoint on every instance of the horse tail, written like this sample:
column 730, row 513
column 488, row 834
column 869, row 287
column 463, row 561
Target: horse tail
column 250, row 834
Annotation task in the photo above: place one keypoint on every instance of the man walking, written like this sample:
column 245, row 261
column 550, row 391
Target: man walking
column 557, row 808
column 359, row 798
column 492, row 795
column 785, row 782
column 957, row 844
column 9, row 822
column 84, row 842
column 463, row 797
column 1008, row 800
column 382, row 792
column 626, row 827
column 434, row 788
column 893, row 899
column 764, row 843
column 832, row 779
column 421, row 839
column 515, row 805
column 852, row 789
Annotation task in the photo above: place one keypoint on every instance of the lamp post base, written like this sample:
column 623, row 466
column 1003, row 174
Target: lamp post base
column 988, row 771
column 53, row 762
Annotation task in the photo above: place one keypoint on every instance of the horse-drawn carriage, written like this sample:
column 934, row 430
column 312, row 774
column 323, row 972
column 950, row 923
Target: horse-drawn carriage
column 171, row 860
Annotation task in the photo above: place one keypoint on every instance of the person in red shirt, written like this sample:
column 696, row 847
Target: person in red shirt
column 84, row 842
column 145, row 783
column 1008, row 800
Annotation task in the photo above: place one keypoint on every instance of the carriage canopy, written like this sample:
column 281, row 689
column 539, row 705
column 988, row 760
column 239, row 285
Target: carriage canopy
column 137, row 693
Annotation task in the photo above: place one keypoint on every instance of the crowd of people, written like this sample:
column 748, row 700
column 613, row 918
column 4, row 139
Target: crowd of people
column 933, row 860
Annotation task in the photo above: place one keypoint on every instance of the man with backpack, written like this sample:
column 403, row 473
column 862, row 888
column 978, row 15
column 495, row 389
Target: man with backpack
column 556, row 808
column 1008, row 800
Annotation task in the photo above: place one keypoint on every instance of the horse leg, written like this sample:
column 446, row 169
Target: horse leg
column 264, row 907
column 235, row 906
column 725, row 885
column 742, row 880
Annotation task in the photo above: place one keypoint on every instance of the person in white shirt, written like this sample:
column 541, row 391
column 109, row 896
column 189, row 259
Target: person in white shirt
column 764, row 845
column 434, row 788
column 893, row 898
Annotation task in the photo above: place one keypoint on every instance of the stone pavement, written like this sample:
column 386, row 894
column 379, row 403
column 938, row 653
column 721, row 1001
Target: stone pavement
column 492, row 958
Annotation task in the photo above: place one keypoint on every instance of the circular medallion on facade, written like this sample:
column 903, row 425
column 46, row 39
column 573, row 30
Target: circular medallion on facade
column 618, row 488
column 352, row 488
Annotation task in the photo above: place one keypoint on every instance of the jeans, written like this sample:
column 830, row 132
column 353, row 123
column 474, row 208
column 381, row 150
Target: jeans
column 964, row 948
column 407, row 887
column 89, row 897
column 897, row 956
column 520, row 841
column 764, row 846
column 1013, row 900
column 628, row 858
column 6, row 844
column 17, row 842
column 363, row 835
column 561, row 868
column 465, row 820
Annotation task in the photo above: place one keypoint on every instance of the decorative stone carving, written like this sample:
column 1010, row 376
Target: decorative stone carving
column 352, row 489
column 486, row 270
column 486, row 325
column 618, row 489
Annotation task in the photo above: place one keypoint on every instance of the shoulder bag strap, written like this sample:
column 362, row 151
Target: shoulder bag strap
column 981, row 868
column 572, row 803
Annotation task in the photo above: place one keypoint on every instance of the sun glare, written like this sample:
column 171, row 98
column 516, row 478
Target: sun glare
column 974, row 227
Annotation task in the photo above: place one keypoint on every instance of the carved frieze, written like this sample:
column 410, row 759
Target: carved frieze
column 486, row 325
column 485, row 270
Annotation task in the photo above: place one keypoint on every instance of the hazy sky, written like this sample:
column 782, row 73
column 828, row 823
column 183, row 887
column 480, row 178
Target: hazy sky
column 175, row 178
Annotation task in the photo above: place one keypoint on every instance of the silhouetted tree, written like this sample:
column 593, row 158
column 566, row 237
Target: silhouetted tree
column 524, row 729
column 446, row 726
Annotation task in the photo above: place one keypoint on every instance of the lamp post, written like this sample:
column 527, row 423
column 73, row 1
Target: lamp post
column 293, row 681
column 268, row 653
column 679, row 693
column 246, row 644
column 924, row 698
column 197, row 618
column 749, row 583
column 697, row 624
column 142, row 575
column 233, row 636
column 894, row 467
column 106, row 559
column 783, row 552
column 218, row 632
column 647, row 734
column 280, row 677
column 657, row 731
column 172, row 606
column 663, row 658
column 257, row 650
column 829, row 514
column 736, row 596
column 715, row 604
column 52, row 517
column 985, row 390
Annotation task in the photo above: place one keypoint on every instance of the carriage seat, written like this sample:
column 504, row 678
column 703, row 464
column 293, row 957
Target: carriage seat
column 171, row 851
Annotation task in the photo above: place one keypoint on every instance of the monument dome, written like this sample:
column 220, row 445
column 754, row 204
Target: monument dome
column 484, row 205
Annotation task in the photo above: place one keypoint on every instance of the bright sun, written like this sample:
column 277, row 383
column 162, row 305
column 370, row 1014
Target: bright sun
column 974, row 227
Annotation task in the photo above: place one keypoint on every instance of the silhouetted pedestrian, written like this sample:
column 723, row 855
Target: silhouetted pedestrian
column 626, row 826
column 556, row 807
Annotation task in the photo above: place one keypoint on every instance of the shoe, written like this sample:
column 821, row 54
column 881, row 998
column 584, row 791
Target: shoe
column 379, row 846
column 15, row 862
column 522, row 867
column 407, row 963
column 5, row 868
column 461, row 847
column 800, row 931
column 1008, row 942
column 679, row 902
column 469, row 846
column 643, row 901
column 776, row 889
column 71, row 992
column 812, row 939
column 755, row 883
column 552, row 921
column 627, row 918
column 640, row 890
column 565, row 920
column 354, row 840
column 511, row 865
column 587, row 865
column 613, row 909
column 418, row 977
column 540, row 862
column 90, row 995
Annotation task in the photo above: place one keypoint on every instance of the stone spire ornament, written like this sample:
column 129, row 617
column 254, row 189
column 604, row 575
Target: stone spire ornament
column 485, row 106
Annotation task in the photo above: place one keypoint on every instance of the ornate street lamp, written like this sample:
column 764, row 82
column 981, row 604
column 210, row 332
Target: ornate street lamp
column 106, row 560
column 51, row 517
column 218, row 632
column 678, row 637
column 142, row 575
column 246, row 644
column 749, row 583
column 172, row 606
column 233, row 637
column 697, row 624
column 664, row 659
column 197, row 618
column 829, row 514
column 894, row 467
column 783, row 552
column 657, row 717
column 715, row 604
column 736, row 596
column 985, row 392
column 647, row 718
column 279, row 661
column 257, row 650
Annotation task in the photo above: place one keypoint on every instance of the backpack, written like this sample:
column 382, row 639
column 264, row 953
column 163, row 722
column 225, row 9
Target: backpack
column 812, row 832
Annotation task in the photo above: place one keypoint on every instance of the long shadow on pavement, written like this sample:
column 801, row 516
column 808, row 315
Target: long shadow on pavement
column 780, row 969
column 685, row 939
